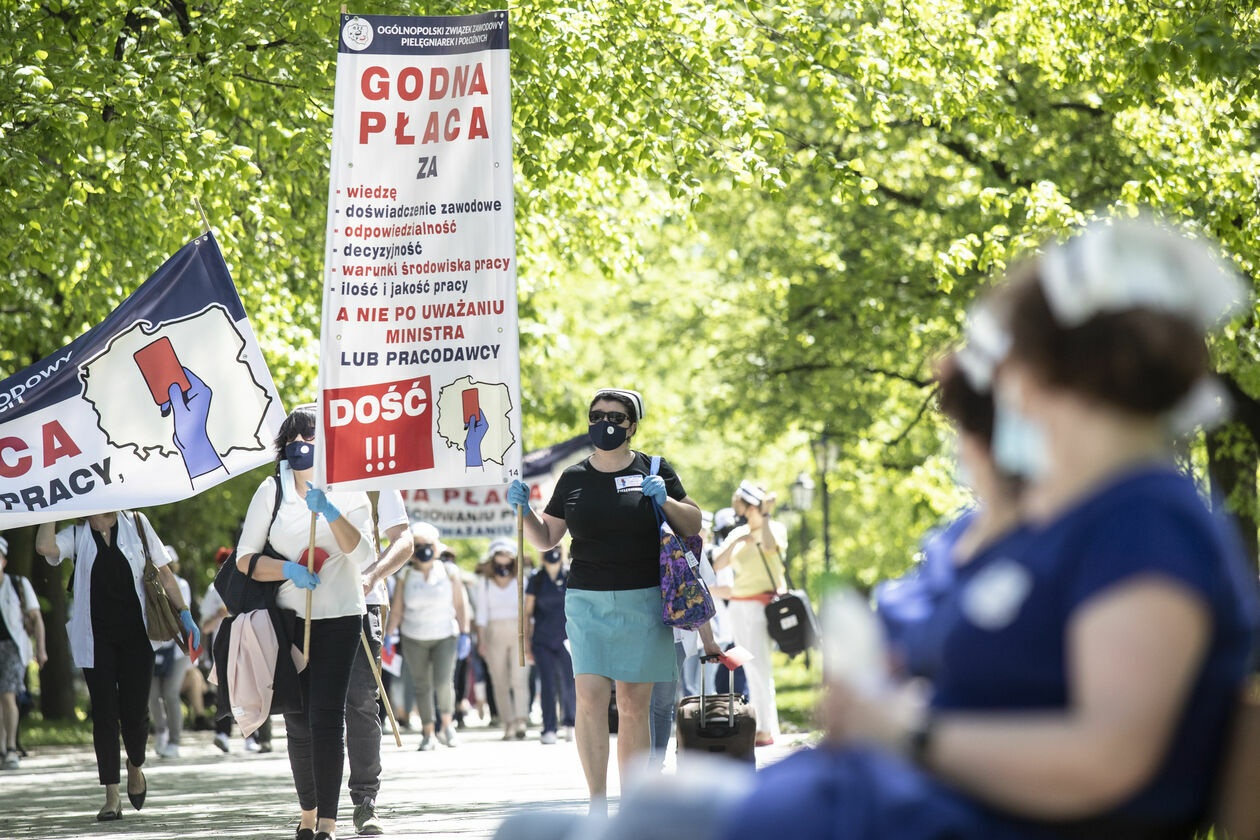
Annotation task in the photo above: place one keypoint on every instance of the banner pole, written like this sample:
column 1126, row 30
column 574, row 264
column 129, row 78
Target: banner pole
column 520, row 586
column 380, row 687
column 204, row 220
column 310, row 567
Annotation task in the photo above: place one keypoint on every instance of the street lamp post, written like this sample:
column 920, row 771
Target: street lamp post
column 824, row 456
column 802, row 491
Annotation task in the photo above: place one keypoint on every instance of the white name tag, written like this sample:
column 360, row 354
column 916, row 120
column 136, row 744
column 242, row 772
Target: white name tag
column 788, row 622
column 626, row 483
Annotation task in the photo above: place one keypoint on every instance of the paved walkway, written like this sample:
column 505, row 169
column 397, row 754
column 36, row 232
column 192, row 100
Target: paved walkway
column 463, row 792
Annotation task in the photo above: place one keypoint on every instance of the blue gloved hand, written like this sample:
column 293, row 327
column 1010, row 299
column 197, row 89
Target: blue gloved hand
column 302, row 577
column 190, row 627
column 317, row 502
column 192, row 412
column 463, row 647
column 654, row 488
column 518, row 495
column 476, row 428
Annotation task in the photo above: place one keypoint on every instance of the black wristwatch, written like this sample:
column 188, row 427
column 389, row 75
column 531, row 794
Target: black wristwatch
column 920, row 739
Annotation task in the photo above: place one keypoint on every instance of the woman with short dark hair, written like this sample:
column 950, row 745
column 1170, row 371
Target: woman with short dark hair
column 613, row 598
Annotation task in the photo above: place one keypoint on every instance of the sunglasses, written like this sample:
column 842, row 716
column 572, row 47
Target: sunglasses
column 614, row 417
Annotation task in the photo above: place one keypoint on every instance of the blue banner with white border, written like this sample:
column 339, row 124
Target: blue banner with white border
column 167, row 396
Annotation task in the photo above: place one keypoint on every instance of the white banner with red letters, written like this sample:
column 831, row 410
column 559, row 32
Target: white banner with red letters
column 419, row 374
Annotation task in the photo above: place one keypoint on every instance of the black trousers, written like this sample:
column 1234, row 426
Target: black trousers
column 118, row 684
column 317, row 747
column 363, row 726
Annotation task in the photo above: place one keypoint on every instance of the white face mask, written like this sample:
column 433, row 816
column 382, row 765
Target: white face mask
column 1019, row 443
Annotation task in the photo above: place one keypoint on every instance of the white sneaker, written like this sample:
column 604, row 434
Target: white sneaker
column 221, row 741
column 163, row 738
column 11, row 761
column 568, row 733
column 548, row 738
column 250, row 744
column 169, row 751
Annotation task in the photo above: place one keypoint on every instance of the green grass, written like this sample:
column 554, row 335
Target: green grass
column 37, row 732
column 797, row 690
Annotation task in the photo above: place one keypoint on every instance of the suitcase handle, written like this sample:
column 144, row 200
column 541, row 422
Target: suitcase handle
column 711, row 658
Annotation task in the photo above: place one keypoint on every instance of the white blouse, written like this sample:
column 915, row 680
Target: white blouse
column 14, row 609
column 76, row 543
column 340, row 589
column 428, row 605
column 496, row 602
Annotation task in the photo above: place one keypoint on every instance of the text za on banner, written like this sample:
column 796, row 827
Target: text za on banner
column 169, row 395
column 419, row 374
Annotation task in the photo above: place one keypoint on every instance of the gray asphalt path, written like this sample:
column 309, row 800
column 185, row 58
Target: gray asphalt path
column 463, row 792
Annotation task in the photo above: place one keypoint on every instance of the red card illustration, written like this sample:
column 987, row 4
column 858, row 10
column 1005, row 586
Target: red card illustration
column 472, row 404
column 161, row 369
column 320, row 557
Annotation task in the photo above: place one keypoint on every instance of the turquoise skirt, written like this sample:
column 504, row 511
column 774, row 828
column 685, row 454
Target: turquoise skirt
column 619, row 635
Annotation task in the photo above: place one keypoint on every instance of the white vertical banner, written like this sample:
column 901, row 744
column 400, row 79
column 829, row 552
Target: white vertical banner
column 419, row 370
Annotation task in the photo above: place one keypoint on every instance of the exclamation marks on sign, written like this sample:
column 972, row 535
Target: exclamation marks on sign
column 380, row 452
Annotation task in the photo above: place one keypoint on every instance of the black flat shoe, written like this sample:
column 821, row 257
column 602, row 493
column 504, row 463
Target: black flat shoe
column 106, row 815
column 306, row 834
column 137, row 799
column 324, row 835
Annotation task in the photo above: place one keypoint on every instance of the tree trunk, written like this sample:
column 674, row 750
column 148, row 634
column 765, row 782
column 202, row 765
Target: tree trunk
column 56, row 685
column 1232, row 476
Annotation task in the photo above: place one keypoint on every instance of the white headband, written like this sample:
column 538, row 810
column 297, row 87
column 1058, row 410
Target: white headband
column 1124, row 264
column 633, row 397
column 988, row 342
column 751, row 493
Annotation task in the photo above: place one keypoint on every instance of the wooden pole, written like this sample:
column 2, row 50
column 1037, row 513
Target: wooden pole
column 520, row 586
column 310, row 567
column 205, row 221
column 376, row 672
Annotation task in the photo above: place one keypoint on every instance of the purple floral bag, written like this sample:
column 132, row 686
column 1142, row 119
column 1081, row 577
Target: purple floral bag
column 687, row 602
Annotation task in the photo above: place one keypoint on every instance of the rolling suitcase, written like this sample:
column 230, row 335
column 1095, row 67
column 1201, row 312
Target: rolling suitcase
column 716, row 724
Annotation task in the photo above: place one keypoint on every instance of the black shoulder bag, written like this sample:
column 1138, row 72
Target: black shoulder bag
column 239, row 591
column 789, row 617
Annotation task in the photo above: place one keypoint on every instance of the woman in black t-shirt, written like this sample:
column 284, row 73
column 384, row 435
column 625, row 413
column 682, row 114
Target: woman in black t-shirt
column 613, row 602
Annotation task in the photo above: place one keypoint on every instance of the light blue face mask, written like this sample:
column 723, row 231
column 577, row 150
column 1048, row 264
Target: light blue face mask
column 1019, row 444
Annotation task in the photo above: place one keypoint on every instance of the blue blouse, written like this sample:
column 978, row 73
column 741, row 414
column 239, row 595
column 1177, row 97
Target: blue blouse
column 1008, row 618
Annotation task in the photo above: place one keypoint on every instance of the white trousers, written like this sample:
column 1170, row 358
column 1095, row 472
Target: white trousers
column 748, row 621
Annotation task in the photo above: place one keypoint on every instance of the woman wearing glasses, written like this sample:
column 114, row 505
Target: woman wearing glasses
column 429, row 607
column 613, row 603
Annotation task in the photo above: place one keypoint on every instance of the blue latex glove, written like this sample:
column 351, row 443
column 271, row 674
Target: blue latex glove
column 192, row 411
column 518, row 495
column 463, row 647
column 190, row 627
column 302, row 577
column 476, row 428
column 317, row 502
column 654, row 488
column 387, row 646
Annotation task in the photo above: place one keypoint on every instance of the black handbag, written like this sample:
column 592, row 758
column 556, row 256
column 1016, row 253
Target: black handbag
column 239, row 591
column 789, row 616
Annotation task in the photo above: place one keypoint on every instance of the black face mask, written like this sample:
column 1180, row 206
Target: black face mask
column 551, row 555
column 503, row 571
column 423, row 553
column 741, row 520
column 607, row 436
column 300, row 454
